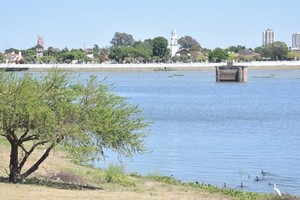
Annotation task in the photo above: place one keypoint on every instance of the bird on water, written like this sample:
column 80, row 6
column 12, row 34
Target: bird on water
column 277, row 190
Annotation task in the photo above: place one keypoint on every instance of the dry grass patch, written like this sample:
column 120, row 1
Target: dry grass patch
column 158, row 192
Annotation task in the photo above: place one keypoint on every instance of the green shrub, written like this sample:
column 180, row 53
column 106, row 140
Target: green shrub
column 116, row 174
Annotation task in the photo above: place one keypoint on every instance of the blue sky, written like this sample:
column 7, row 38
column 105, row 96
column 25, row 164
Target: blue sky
column 213, row 23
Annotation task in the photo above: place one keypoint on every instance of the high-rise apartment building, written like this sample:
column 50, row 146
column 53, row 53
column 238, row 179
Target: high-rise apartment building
column 268, row 37
column 296, row 41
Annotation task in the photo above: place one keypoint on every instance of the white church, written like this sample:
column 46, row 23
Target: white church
column 175, row 51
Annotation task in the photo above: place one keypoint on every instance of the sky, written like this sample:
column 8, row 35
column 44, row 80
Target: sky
column 83, row 23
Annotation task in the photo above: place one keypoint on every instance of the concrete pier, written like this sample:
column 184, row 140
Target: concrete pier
column 232, row 73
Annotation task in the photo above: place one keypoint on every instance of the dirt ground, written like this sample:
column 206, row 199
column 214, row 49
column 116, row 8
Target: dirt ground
column 151, row 190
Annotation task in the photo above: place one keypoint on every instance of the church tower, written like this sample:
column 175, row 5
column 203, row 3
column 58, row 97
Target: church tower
column 174, row 45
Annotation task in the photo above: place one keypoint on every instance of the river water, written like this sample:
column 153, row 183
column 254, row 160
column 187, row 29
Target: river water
column 217, row 133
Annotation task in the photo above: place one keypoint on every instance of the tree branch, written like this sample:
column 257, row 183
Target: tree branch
column 30, row 137
column 23, row 136
column 28, row 153
column 36, row 165
column 23, row 148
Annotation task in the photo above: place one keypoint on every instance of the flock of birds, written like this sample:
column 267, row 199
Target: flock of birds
column 258, row 179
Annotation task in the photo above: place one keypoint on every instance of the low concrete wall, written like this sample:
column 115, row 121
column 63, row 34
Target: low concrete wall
column 155, row 66
column 270, row 65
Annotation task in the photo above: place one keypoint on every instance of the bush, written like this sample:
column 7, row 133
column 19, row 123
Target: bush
column 116, row 174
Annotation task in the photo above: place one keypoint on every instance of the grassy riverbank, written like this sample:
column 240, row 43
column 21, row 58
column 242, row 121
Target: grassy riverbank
column 59, row 178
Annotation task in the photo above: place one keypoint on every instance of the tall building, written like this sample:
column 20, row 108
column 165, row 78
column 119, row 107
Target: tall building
column 268, row 37
column 296, row 41
column 174, row 44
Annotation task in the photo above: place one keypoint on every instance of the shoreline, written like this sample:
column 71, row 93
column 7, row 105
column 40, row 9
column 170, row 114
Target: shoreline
column 290, row 65
column 152, row 69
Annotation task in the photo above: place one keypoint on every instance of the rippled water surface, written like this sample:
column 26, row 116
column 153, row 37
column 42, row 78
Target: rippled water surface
column 218, row 133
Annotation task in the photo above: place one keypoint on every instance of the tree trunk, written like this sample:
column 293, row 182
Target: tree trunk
column 14, row 172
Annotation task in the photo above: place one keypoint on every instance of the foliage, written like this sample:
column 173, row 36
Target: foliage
column 293, row 55
column 122, row 40
column 198, row 57
column 129, row 54
column 1, row 57
column 10, row 50
column 69, row 56
column 279, row 50
column 116, row 174
column 144, row 50
column 235, row 49
column 275, row 51
column 46, row 59
column 100, row 54
column 248, row 58
column 29, row 55
column 141, row 52
column 51, row 51
column 232, row 56
column 190, row 43
column 119, row 53
column 258, row 49
column 54, row 108
column 160, row 48
column 218, row 55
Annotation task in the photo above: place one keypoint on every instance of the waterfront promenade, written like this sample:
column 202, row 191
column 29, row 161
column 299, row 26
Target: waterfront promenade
column 256, row 65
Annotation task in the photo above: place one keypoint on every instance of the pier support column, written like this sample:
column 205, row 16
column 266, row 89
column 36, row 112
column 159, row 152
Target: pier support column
column 217, row 74
column 245, row 74
column 240, row 75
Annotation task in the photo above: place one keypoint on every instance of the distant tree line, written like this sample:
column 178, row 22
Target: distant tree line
column 125, row 49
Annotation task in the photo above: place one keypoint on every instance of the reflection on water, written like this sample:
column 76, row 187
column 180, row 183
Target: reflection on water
column 218, row 133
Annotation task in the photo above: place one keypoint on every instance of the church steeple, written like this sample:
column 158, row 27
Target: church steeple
column 174, row 45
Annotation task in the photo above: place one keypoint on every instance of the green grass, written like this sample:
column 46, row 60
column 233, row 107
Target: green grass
column 163, row 179
column 238, row 194
column 116, row 174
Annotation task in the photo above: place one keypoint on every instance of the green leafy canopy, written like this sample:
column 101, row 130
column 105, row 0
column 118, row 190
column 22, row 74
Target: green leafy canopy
column 85, row 117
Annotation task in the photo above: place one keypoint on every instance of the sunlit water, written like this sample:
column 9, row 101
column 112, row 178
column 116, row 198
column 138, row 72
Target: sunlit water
column 217, row 133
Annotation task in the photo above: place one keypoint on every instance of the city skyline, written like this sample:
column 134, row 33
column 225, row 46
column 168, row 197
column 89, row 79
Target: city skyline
column 213, row 24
